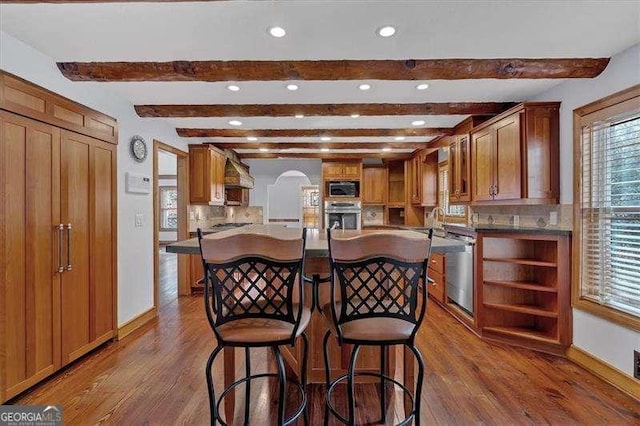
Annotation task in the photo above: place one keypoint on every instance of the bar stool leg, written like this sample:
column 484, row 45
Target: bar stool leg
column 305, row 356
column 247, row 396
column 327, row 375
column 418, row 395
column 212, row 395
column 282, row 378
column 383, row 391
column 350, row 384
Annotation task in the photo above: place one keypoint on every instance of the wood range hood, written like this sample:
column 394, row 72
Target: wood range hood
column 236, row 175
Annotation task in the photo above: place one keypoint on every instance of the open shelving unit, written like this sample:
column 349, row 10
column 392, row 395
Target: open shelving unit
column 525, row 289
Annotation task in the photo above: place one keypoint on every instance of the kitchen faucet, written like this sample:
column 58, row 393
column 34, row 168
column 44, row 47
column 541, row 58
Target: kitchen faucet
column 433, row 216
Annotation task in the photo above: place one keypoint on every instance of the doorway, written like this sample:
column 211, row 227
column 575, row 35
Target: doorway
column 310, row 206
column 285, row 199
column 170, row 192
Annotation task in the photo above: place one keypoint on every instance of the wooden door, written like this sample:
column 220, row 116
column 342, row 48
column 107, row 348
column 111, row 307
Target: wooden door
column 30, row 281
column 507, row 172
column 464, row 169
column 332, row 170
column 416, row 178
column 351, row 171
column 218, row 177
column 453, row 170
column 482, row 158
column 430, row 180
column 199, row 174
column 374, row 185
column 87, row 211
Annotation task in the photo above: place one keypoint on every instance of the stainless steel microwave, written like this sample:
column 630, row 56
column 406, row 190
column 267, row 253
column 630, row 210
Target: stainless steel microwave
column 344, row 189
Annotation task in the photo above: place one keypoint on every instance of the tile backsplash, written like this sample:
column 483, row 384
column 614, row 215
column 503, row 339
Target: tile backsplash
column 208, row 216
column 373, row 215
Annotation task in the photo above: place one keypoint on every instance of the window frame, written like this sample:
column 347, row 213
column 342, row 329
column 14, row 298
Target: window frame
column 609, row 106
column 161, row 209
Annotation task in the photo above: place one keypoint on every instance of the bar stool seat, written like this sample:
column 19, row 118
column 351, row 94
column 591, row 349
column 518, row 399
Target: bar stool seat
column 258, row 330
column 377, row 329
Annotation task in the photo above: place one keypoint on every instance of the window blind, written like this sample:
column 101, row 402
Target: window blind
column 610, row 209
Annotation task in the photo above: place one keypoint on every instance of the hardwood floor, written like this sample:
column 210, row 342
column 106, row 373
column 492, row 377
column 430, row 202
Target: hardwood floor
column 156, row 376
column 168, row 271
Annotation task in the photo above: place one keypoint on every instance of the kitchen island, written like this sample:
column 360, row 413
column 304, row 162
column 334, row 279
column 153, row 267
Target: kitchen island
column 316, row 262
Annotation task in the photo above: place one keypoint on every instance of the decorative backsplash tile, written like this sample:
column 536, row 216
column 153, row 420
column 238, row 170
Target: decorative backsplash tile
column 373, row 215
column 207, row 216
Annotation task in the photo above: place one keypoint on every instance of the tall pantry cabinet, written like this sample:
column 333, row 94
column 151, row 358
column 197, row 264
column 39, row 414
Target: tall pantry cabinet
column 57, row 233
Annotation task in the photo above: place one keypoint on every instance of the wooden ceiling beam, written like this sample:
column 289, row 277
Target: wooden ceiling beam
column 327, row 155
column 293, row 133
column 310, row 110
column 317, row 145
column 410, row 69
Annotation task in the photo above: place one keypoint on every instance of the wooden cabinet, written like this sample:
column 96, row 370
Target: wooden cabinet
column 237, row 197
column 524, row 291
column 437, row 274
column 414, row 168
column 58, row 249
column 459, row 169
column 400, row 210
column 346, row 170
column 429, row 182
column 515, row 156
column 374, row 185
column 206, row 175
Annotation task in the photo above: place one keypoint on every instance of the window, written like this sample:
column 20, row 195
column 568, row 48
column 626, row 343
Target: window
column 607, row 205
column 168, row 208
column 443, row 193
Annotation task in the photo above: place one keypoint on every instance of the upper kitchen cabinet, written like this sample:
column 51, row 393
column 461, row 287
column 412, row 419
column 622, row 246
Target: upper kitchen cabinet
column 514, row 156
column 429, row 182
column 206, row 175
column 414, row 169
column 374, row 185
column 460, row 160
column 345, row 170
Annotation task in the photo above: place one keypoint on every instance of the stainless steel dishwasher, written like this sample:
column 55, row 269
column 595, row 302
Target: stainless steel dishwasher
column 460, row 272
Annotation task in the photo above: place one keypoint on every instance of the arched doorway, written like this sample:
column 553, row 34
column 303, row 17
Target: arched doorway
column 293, row 201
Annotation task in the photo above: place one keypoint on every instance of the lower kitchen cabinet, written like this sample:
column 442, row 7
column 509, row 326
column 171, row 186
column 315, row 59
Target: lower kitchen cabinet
column 437, row 274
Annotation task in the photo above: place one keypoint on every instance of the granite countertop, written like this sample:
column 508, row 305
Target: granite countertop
column 316, row 239
column 505, row 228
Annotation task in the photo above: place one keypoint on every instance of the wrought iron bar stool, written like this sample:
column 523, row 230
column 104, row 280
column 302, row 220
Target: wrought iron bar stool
column 254, row 298
column 375, row 282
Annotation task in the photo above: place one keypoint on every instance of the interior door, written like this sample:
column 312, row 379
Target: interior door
column 507, row 159
column 29, row 291
column 483, row 165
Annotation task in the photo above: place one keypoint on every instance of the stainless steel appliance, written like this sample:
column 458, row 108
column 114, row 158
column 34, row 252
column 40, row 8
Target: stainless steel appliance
column 342, row 214
column 460, row 273
column 344, row 189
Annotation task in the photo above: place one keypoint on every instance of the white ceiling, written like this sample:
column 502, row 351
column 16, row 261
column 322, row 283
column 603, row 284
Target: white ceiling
column 237, row 30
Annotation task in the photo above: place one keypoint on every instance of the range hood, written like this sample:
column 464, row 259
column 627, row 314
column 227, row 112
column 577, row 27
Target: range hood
column 237, row 175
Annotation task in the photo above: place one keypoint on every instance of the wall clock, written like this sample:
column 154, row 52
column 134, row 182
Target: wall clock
column 138, row 148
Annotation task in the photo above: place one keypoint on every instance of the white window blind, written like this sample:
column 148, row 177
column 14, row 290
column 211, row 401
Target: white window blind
column 610, row 207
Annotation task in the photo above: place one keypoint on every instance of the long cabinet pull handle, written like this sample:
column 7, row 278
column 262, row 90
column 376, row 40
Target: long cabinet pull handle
column 60, row 227
column 69, row 267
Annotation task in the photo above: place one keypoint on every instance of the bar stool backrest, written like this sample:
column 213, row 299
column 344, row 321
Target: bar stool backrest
column 253, row 275
column 378, row 275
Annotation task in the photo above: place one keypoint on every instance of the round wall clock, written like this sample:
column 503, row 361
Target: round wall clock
column 138, row 148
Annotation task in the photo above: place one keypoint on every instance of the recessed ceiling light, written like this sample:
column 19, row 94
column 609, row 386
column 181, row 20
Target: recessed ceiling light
column 325, row 138
column 386, row 31
column 399, row 138
column 299, row 115
column 292, row 87
column 233, row 87
column 364, row 86
column 252, row 138
column 418, row 123
column 422, row 86
column 355, row 115
column 386, row 149
column 235, row 122
column 324, row 149
column 263, row 149
column 277, row 32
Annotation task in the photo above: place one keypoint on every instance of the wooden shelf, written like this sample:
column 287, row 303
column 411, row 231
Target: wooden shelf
column 523, row 309
column 520, row 261
column 526, row 333
column 395, row 206
column 524, row 285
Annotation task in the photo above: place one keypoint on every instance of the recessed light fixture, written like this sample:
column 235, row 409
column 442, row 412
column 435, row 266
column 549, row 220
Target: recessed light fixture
column 277, row 32
column 324, row 149
column 299, row 115
column 233, row 87
column 263, row 149
column 252, row 138
column 292, row 87
column 235, row 122
column 386, row 31
column 399, row 138
column 422, row 86
column 325, row 138
column 386, row 149
column 355, row 115
column 418, row 123
column 364, row 86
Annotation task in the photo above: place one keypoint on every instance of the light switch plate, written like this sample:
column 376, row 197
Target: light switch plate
column 139, row 220
column 553, row 218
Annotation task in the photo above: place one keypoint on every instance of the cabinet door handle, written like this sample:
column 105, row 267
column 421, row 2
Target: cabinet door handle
column 60, row 227
column 69, row 267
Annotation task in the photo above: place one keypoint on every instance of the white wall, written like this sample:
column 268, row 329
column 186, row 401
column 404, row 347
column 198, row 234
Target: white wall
column 266, row 172
column 135, row 245
column 610, row 342
column 285, row 198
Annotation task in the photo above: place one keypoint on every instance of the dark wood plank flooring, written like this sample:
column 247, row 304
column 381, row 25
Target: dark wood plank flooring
column 156, row 376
